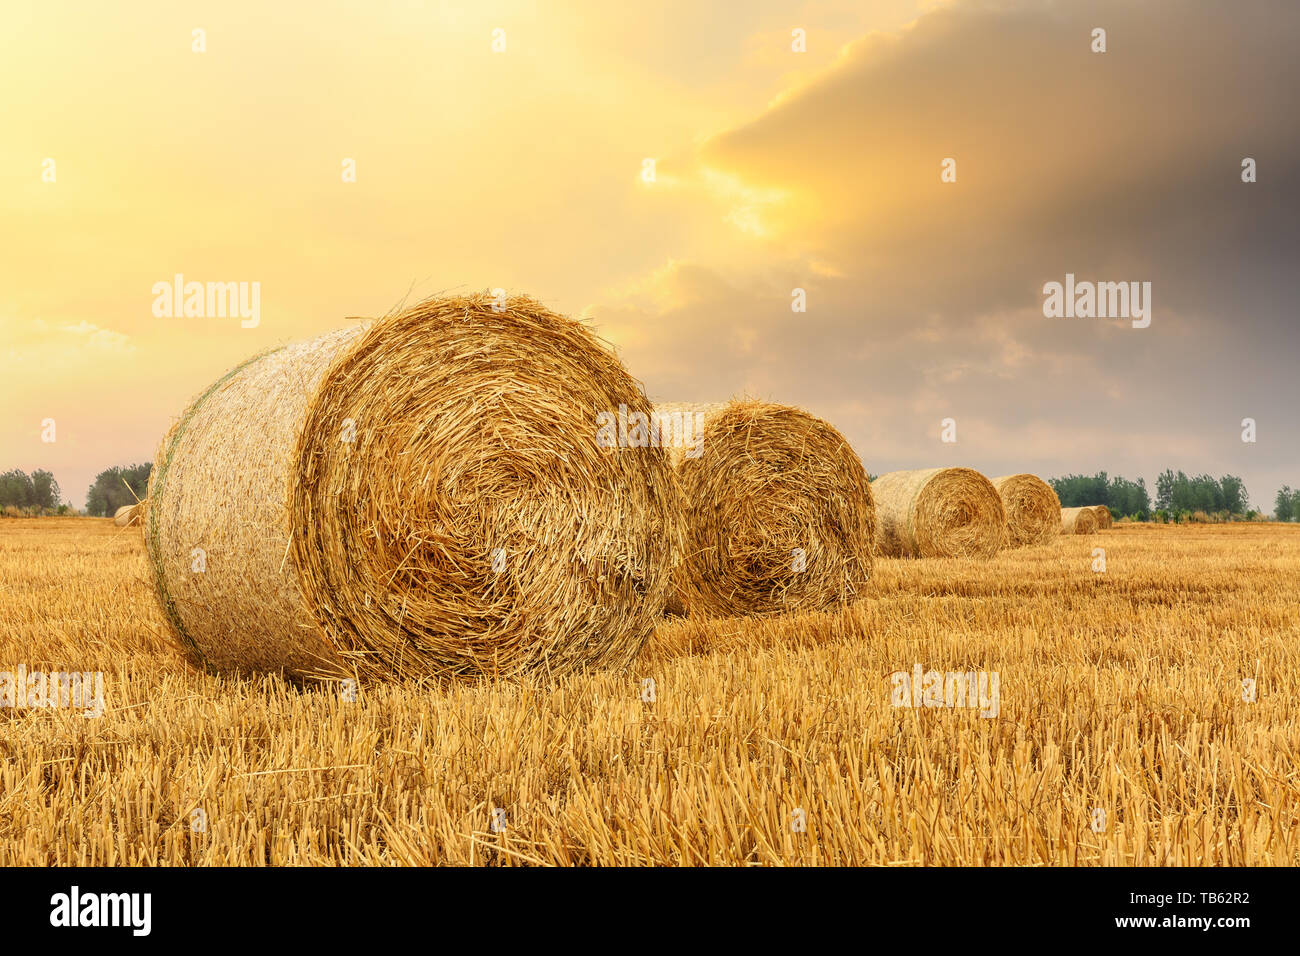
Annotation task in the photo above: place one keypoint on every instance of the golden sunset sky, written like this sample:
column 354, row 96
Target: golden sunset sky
column 775, row 170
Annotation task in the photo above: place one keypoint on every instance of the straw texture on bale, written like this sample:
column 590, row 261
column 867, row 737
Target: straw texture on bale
column 938, row 513
column 1032, row 507
column 1078, row 521
column 421, row 497
column 761, row 481
column 1104, row 518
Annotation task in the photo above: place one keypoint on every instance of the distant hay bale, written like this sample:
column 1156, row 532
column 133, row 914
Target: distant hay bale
column 128, row 514
column 1104, row 517
column 1078, row 521
column 422, row 497
column 778, row 512
column 939, row 513
column 1032, row 508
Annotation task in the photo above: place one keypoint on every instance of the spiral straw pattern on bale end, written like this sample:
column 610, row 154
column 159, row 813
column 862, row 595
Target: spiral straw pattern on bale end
column 1032, row 508
column 423, row 497
column 1104, row 518
column 1078, row 521
column 939, row 513
column 763, row 481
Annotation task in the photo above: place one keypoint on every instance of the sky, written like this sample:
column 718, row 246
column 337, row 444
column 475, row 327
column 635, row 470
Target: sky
column 130, row 156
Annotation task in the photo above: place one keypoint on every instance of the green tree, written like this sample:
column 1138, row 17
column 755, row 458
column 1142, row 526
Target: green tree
column 16, row 490
column 1165, row 490
column 1175, row 492
column 1121, row 496
column 1284, row 504
column 1235, row 499
column 117, row 486
column 1180, row 496
column 46, row 490
column 1206, row 494
column 1126, row 497
column 1076, row 491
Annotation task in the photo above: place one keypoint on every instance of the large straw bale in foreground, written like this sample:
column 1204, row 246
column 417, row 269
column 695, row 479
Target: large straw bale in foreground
column 939, row 513
column 1032, row 507
column 1078, row 521
column 421, row 497
column 778, row 512
column 1104, row 517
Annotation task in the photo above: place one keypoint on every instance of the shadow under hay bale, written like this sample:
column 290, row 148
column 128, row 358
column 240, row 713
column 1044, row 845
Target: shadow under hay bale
column 778, row 511
column 424, row 496
column 939, row 513
column 1032, row 507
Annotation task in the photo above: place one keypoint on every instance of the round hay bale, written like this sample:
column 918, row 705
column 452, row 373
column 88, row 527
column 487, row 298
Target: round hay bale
column 128, row 514
column 1104, row 518
column 777, row 510
column 939, row 513
column 1032, row 508
column 1078, row 521
column 424, row 496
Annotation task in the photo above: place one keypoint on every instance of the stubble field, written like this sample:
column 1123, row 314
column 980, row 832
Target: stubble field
column 1121, row 709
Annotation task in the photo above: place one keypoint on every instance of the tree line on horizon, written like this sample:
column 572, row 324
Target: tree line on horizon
column 1286, row 506
column 1178, row 497
column 36, row 493
column 39, row 494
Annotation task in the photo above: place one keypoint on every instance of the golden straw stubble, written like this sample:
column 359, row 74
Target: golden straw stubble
column 1078, row 521
column 939, row 513
column 434, row 503
column 1032, row 507
column 777, row 512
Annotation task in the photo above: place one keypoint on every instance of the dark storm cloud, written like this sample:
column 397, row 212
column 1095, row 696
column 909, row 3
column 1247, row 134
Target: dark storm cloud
column 1117, row 166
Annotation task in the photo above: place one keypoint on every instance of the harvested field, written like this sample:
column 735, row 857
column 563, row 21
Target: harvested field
column 1120, row 691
